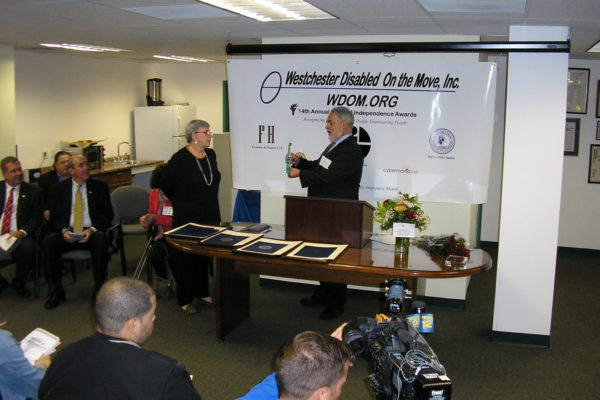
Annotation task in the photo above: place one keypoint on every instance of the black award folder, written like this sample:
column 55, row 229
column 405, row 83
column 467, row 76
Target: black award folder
column 195, row 231
column 318, row 251
column 230, row 238
column 269, row 247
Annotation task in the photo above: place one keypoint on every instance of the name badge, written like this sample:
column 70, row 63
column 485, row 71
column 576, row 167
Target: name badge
column 324, row 162
column 167, row 210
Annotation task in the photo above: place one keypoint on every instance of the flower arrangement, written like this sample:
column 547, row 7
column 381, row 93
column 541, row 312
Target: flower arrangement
column 446, row 245
column 402, row 208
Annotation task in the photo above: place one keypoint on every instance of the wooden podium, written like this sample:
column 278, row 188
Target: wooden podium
column 326, row 220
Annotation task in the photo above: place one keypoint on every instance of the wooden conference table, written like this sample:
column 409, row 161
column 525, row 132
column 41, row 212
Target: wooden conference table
column 368, row 266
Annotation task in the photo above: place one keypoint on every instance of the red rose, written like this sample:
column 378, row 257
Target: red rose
column 410, row 214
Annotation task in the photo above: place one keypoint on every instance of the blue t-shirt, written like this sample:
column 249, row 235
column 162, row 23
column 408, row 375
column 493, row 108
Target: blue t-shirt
column 266, row 390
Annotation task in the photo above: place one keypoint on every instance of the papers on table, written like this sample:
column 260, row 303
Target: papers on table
column 269, row 247
column 317, row 251
column 37, row 343
column 195, row 231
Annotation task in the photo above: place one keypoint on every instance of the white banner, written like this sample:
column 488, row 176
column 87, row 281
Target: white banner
column 425, row 127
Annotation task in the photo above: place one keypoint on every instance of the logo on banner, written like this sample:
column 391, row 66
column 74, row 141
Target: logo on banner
column 363, row 139
column 270, row 88
column 293, row 108
column 266, row 132
column 442, row 141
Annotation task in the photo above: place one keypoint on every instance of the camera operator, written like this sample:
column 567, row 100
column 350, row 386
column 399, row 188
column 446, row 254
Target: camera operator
column 313, row 366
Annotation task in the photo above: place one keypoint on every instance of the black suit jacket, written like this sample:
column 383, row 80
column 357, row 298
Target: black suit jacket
column 342, row 179
column 29, row 208
column 45, row 183
column 96, row 368
column 99, row 205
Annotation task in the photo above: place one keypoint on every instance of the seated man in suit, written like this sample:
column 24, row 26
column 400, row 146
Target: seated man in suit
column 58, row 174
column 111, row 363
column 21, row 217
column 80, row 214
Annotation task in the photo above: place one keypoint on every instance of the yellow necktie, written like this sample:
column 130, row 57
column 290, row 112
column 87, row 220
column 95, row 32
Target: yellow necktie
column 78, row 211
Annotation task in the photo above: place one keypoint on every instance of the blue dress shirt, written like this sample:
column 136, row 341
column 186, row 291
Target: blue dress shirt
column 18, row 378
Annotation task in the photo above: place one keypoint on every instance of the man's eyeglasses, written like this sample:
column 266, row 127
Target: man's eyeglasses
column 206, row 132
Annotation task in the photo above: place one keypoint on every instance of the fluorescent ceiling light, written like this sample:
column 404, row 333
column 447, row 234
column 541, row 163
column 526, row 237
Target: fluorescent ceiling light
column 182, row 58
column 475, row 6
column 181, row 11
column 272, row 10
column 81, row 47
column 595, row 48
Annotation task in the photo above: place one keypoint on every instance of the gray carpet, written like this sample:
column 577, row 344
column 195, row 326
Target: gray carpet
column 478, row 368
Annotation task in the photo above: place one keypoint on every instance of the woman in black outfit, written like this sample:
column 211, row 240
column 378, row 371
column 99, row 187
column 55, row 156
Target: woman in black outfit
column 191, row 181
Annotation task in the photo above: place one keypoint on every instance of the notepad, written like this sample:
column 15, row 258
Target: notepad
column 39, row 342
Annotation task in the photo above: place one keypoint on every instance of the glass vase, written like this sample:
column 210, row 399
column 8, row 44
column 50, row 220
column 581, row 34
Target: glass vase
column 402, row 245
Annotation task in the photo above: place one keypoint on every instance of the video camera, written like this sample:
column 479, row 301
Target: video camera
column 404, row 365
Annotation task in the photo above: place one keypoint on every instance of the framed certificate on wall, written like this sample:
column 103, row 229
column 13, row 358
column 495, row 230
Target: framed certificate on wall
column 577, row 90
column 572, row 137
column 594, row 167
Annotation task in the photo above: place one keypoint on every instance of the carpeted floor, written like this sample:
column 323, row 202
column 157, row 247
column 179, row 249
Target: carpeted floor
column 478, row 368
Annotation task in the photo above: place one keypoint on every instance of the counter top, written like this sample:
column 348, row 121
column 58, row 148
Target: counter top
column 111, row 167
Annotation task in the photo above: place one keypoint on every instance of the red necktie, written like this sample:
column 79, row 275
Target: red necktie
column 7, row 213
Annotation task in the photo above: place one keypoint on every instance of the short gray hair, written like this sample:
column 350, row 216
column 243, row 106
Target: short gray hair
column 193, row 126
column 119, row 300
column 70, row 164
column 344, row 114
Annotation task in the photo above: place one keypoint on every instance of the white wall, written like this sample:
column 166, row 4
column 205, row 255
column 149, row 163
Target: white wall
column 490, row 215
column 7, row 101
column 199, row 84
column 579, row 199
column 579, row 212
column 69, row 97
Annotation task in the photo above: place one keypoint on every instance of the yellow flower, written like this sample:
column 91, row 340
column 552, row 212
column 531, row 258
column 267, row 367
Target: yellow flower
column 400, row 208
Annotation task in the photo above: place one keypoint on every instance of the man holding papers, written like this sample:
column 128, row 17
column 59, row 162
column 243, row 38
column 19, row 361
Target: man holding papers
column 21, row 216
column 80, row 214
column 335, row 174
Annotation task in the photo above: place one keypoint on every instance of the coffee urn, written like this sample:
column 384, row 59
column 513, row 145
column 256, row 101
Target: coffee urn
column 154, row 92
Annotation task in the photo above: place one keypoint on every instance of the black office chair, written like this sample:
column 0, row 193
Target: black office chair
column 35, row 270
column 73, row 256
column 129, row 203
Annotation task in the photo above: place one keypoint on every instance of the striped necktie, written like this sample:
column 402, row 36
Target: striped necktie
column 78, row 211
column 6, row 219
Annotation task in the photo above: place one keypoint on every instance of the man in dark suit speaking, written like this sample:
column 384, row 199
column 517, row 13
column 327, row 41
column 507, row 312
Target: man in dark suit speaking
column 80, row 214
column 335, row 174
column 21, row 216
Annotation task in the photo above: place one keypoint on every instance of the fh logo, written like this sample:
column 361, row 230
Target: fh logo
column 269, row 131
